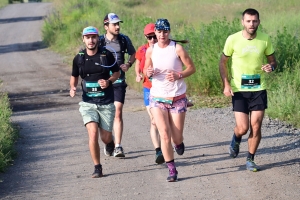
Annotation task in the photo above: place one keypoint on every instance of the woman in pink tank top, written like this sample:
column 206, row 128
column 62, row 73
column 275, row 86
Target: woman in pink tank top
column 168, row 102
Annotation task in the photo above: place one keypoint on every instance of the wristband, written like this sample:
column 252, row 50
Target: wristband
column 109, row 82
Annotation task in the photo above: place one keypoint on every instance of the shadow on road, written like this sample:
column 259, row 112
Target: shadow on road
column 30, row 101
column 20, row 19
column 22, row 47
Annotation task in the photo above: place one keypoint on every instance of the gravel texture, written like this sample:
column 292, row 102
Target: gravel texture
column 54, row 160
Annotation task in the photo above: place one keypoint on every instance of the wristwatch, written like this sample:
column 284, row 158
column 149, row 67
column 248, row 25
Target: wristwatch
column 179, row 75
column 272, row 67
column 128, row 62
column 110, row 82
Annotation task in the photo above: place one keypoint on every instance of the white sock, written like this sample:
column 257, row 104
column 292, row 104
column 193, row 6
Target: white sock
column 118, row 145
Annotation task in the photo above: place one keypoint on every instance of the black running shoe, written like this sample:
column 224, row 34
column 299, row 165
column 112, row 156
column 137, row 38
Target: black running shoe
column 179, row 149
column 97, row 173
column 159, row 158
column 172, row 175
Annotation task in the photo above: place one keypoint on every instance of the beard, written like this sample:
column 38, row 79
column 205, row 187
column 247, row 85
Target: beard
column 92, row 48
column 252, row 32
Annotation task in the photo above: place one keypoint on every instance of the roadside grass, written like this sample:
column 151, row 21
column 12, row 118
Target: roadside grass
column 8, row 133
column 206, row 24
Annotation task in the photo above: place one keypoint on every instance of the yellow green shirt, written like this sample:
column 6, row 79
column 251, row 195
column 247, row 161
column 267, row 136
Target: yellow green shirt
column 247, row 60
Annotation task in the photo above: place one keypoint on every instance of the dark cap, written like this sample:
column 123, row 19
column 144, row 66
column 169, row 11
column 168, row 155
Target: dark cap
column 162, row 24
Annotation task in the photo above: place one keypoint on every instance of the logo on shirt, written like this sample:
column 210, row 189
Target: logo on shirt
column 250, row 49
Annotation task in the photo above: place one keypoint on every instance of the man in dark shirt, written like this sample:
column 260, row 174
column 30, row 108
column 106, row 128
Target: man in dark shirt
column 94, row 65
column 119, row 44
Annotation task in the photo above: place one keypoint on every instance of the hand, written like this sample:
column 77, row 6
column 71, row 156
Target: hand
column 267, row 68
column 228, row 91
column 150, row 71
column 138, row 78
column 125, row 67
column 103, row 83
column 172, row 76
column 73, row 91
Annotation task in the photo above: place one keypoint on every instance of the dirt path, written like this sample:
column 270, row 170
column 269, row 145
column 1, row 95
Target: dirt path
column 54, row 160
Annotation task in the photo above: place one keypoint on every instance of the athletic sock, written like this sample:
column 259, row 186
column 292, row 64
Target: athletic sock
column 157, row 149
column 99, row 166
column 250, row 156
column 118, row 145
column 237, row 139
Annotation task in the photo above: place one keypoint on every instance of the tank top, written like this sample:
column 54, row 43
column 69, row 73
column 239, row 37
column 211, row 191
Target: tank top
column 165, row 60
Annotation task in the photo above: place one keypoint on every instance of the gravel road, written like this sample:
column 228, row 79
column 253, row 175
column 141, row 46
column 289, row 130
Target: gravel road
column 54, row 160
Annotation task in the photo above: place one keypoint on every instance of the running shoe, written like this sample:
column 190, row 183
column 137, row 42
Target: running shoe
column 172, row 175
column 109, row 149
column 97, row 173
column 159, row 158
column 179, row 148
column 250, row 164
column 118, row 152
column 234, row 148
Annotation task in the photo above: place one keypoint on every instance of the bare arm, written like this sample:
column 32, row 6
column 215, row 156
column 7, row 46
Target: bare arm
column 224, row 75
column 73, row 85
column 186, row 60
column 148, row 69
column 105, row 83
column 271, row 63
column 137, row 71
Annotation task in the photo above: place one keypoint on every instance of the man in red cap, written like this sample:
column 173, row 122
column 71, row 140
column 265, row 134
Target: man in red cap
column 139, row 66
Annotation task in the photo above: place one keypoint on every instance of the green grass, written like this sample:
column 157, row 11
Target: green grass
column 206, row 24
column 8, row 133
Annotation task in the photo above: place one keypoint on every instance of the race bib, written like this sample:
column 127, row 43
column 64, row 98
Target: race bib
column 93, row 89
column 250, row 81
column 163, row 100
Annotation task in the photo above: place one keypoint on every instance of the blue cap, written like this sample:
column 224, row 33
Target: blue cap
column 90, row 30
column 162, row 24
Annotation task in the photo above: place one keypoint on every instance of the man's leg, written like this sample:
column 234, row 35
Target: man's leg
column 256, row 118
column 240, row 129
column 92, row 128
column 118, row 129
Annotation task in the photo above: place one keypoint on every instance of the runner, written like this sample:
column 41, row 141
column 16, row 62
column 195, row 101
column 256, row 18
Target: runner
column 168, row 102
column 97, row 109
column 139, row 66
column 247, row 82
column 121, row 44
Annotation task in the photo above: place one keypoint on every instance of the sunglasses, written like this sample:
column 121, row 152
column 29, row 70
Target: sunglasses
column 150, row 37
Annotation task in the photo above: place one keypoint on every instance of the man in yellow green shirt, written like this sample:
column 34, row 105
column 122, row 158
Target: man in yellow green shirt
column 246, row 83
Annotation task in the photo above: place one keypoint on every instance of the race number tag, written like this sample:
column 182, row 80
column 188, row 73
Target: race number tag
column 93, row 89
column 250, row 81
column 163, row 100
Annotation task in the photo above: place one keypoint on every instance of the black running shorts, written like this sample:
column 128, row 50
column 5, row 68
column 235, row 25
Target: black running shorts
column 119, row 92
column 249, row 101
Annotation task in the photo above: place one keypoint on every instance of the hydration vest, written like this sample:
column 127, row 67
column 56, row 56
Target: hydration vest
column 81, row 60
column 122, row 41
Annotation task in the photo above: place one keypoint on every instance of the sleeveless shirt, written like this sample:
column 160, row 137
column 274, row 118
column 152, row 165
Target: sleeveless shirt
column 165, row 60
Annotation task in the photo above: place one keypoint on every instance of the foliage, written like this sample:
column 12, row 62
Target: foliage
column 8, row 133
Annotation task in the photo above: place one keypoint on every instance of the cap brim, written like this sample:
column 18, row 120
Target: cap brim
column 115, row 21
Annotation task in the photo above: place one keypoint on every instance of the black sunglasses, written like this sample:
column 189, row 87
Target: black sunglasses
column 150, row 37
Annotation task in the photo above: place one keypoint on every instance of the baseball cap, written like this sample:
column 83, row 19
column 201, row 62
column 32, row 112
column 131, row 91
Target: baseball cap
column 162, row 24
column 149, row 28
column 90, row 30
column 111, row 18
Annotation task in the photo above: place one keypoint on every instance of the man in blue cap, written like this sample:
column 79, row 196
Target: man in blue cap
column 93, row 65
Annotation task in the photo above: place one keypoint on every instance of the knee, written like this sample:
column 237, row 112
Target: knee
column 164, row 136
column 241, row 130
